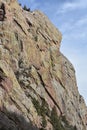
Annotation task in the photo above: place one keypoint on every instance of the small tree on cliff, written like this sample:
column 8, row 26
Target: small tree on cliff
column 25, row 8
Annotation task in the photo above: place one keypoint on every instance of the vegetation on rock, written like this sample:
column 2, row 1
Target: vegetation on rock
column 35, row 75
column 60, row 123
column 42, row 110
column 25, row 8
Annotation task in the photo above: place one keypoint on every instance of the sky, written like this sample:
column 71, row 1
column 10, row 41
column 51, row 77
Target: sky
column 70, row 17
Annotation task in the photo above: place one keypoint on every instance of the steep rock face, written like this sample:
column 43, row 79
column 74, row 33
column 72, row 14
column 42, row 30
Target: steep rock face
column 38, row 87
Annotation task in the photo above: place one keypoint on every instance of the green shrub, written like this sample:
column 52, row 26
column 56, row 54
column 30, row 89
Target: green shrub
column 55, row 120
column 20, row 4
column 25, row 8
column 36, row 38
column 42, row 110
column 63, row 119
column 37, row 105
column 60, row 123
column 44, row 122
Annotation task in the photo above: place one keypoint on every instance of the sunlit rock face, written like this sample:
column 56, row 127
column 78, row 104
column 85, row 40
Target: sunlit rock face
column 38, row 87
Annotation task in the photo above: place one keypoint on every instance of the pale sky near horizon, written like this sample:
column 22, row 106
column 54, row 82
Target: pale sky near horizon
column 70, row 17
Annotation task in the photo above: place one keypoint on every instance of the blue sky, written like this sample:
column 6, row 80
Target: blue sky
column 70, row 17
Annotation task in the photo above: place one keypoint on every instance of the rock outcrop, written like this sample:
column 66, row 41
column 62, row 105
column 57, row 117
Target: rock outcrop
column 38, row 87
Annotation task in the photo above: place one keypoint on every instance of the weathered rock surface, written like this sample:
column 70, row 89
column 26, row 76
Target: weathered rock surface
column 38, row 87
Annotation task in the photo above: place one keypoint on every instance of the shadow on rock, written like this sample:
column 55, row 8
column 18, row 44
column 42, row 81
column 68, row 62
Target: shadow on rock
column 13, row 121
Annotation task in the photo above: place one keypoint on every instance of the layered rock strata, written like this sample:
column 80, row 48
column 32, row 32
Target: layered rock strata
column 38, row 87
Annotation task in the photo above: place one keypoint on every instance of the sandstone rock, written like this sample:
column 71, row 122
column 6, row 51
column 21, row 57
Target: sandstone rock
column 37, row 82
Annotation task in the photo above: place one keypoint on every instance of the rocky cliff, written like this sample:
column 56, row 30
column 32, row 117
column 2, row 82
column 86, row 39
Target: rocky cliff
column 38, row 89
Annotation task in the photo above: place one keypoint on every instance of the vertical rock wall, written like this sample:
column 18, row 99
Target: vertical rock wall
column 37, row 82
